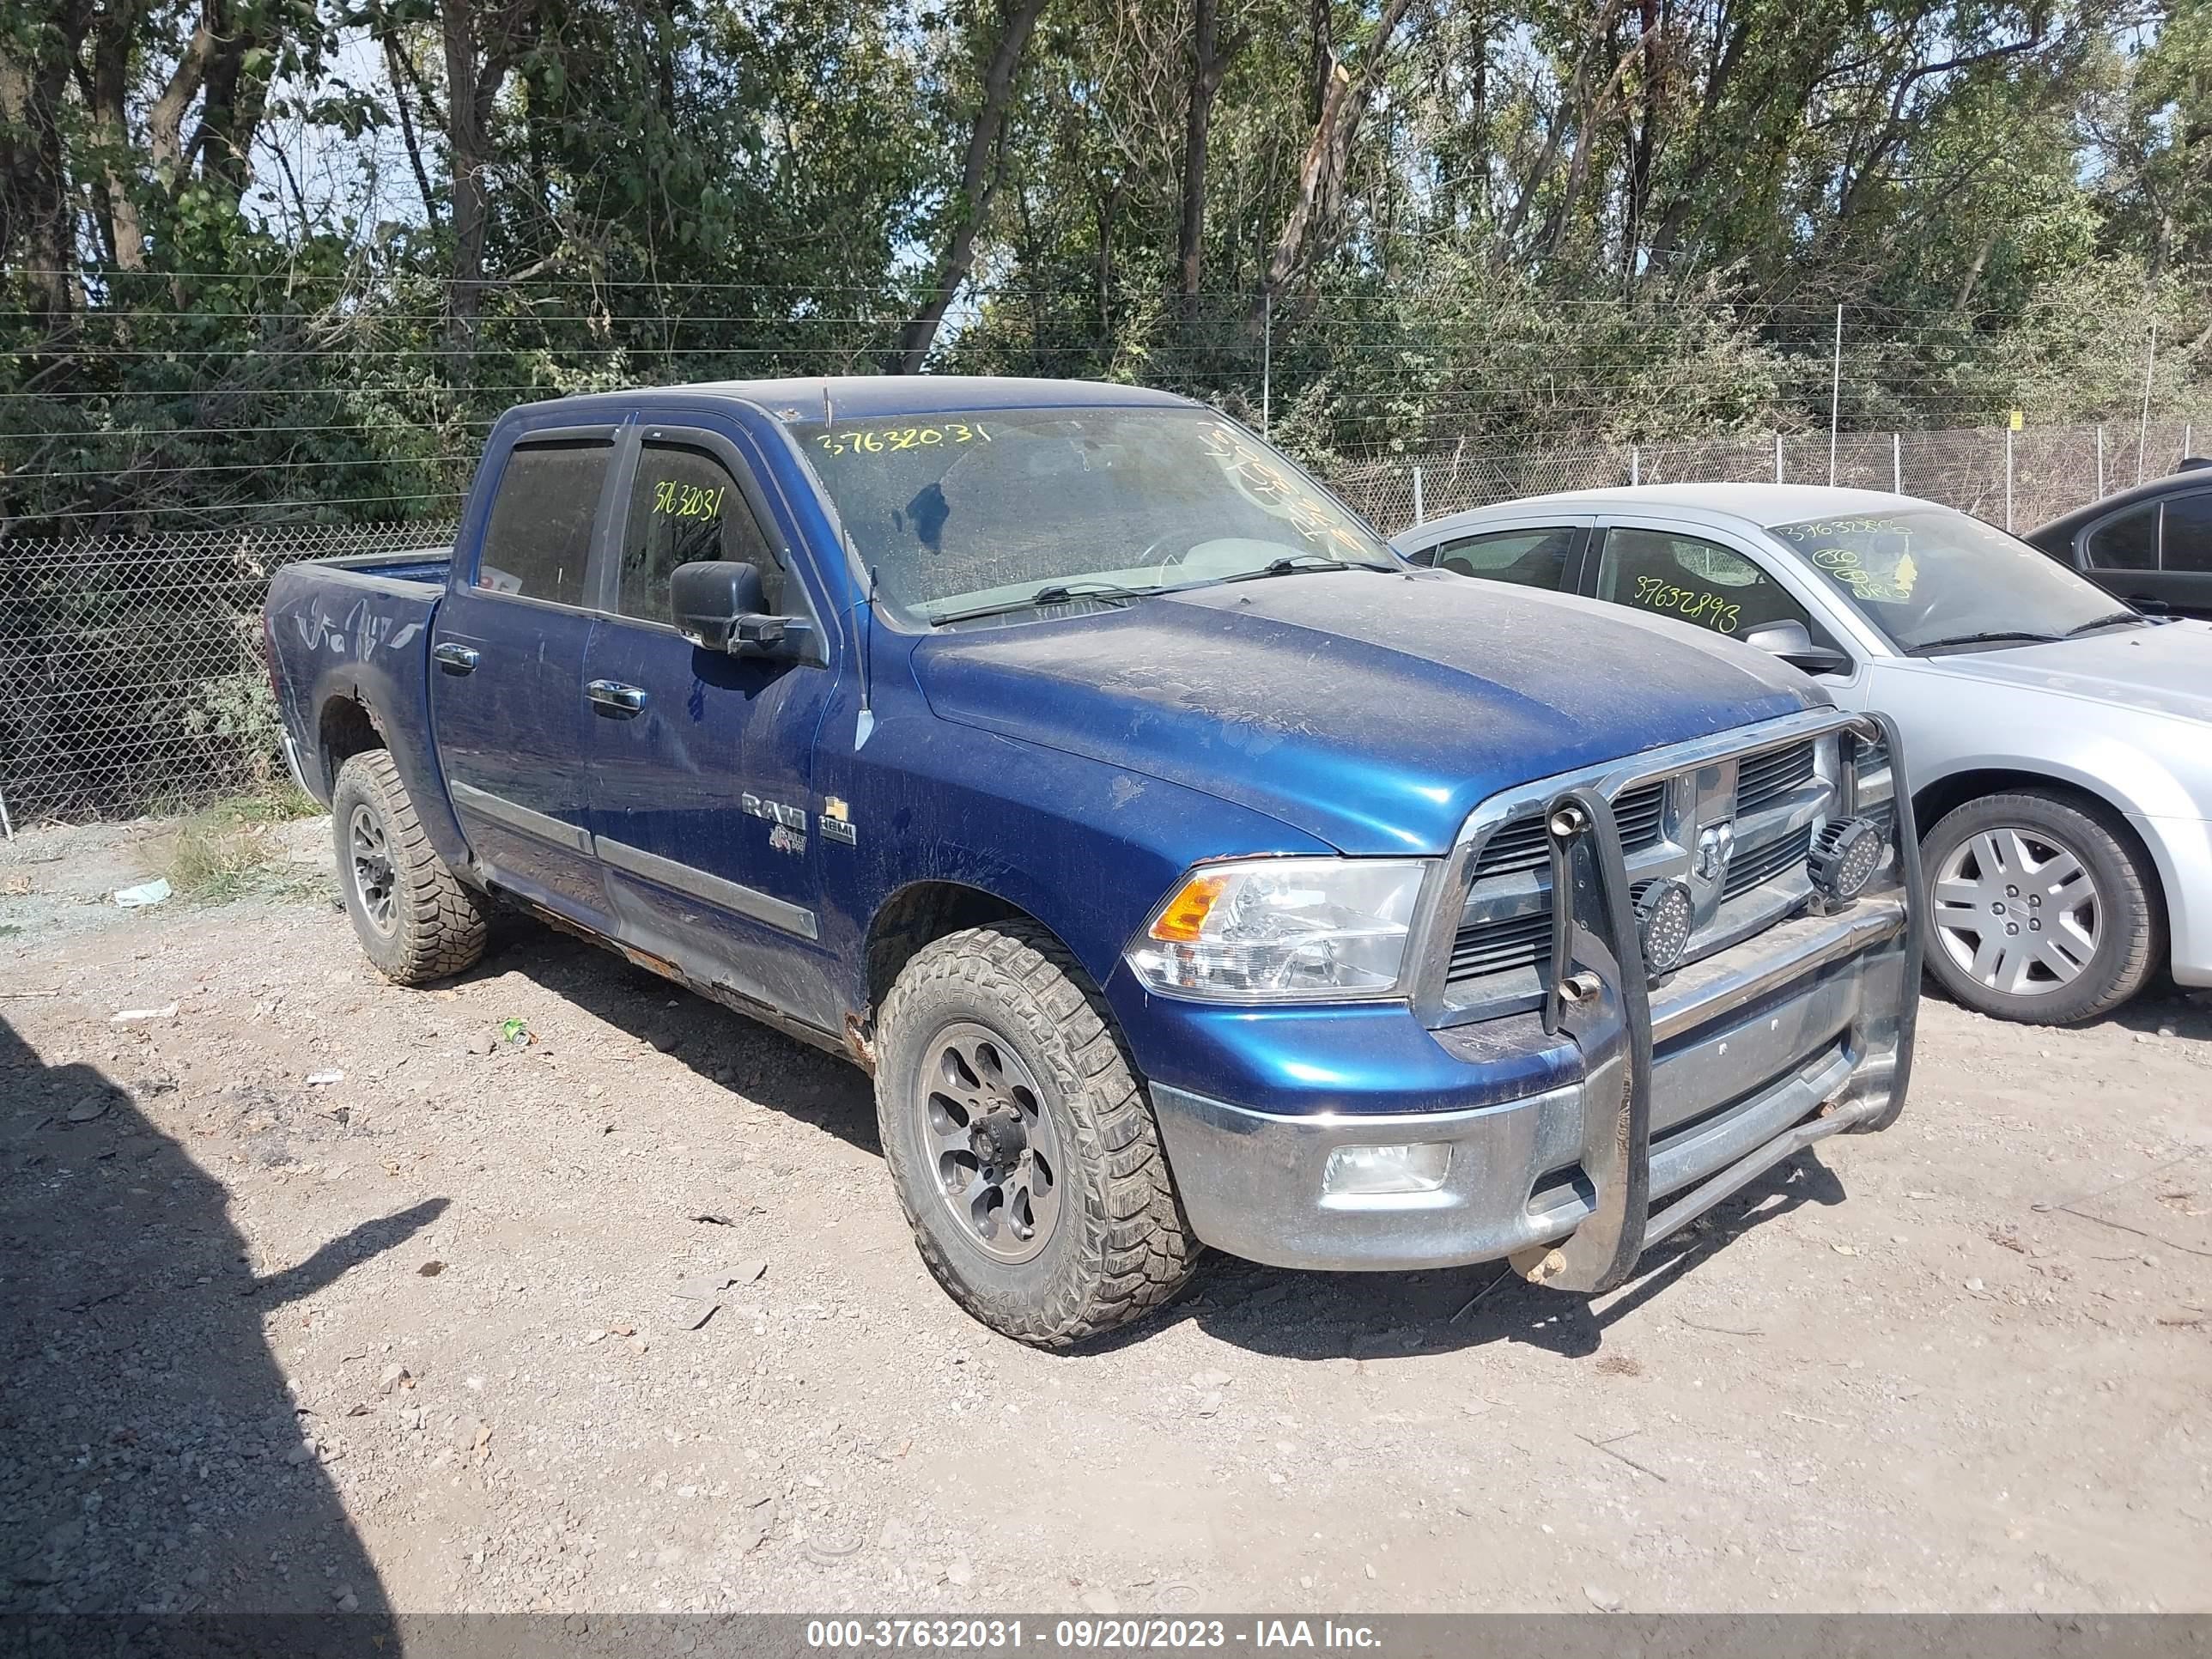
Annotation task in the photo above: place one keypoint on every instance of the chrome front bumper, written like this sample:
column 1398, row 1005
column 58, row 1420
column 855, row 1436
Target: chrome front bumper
column 1685, row 1093
column 1805, row 1017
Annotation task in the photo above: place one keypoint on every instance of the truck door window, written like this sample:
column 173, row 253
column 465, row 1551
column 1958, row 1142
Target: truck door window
column 685, row 509
column 1695, row 580
column 539, row 539
column 1532, row 558
column 2187, row 543
column 2127, row 543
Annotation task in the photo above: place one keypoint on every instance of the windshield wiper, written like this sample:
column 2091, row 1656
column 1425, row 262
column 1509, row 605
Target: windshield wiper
column 1996, row 636
column 1051, row 593
column 2112, row 621
column 1301, row 562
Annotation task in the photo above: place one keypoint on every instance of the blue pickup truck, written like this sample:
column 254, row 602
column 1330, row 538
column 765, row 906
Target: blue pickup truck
column 1186, row 869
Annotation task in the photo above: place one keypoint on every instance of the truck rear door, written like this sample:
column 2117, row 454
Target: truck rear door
column 700, row 800
column 506, row 670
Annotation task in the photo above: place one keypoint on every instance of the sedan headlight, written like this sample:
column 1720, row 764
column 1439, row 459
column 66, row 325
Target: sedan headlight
column 1265, row 930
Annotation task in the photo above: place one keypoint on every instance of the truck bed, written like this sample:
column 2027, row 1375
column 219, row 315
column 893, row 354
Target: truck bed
column 425, row 565
column 350, row 635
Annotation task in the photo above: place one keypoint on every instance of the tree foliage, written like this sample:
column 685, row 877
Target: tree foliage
column 295, row 254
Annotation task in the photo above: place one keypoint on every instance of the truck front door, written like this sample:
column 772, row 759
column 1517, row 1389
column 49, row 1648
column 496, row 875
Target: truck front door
column 506, row 670
column 700, row 804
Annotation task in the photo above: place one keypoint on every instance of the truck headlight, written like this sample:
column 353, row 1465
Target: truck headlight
column 1266, row 930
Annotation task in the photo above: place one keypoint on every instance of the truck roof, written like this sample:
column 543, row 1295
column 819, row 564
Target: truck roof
column 861, row 396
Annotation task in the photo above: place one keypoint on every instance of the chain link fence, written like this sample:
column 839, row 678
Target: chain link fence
column 2015, row 479
column 131, row 678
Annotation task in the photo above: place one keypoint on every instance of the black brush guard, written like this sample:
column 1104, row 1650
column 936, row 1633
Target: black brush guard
column 1599, row 996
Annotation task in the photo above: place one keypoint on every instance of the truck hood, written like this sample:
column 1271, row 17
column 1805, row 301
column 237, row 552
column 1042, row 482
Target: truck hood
column 1373, row 712
column 2166, row 669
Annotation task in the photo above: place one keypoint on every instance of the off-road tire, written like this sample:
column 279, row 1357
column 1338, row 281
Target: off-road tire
column 440, row 921
column 1121, row 1246
column 2131, row 943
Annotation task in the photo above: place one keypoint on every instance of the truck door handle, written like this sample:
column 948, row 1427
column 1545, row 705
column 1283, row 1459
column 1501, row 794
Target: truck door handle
column 615, row 697
column 460, row 659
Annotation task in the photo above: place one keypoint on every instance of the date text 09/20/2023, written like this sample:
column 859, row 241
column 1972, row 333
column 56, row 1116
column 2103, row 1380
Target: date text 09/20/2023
column 1110, row 1634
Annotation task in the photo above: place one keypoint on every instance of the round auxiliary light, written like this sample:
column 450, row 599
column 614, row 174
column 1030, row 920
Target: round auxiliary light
column 1665, row 918
column 1845, row 857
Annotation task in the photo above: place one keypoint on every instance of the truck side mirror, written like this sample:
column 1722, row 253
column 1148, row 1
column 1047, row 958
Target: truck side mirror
column 718, row 604
column 1791, row 643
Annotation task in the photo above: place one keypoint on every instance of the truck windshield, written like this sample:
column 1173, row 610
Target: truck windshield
column 1932, row 579
column 960, row 512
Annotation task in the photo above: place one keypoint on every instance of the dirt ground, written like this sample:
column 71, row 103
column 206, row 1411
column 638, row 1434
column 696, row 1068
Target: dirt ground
column 319, row 1292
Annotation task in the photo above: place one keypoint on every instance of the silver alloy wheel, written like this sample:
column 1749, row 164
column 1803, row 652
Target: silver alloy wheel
column 2018, row 909
column 373, row 877
column 994, row 1148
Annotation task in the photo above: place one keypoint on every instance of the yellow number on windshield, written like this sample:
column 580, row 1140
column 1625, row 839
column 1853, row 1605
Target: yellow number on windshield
column 889, row 440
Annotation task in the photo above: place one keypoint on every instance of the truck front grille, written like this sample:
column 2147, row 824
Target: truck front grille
column 1768, row 777
column 1522, row 845
column 1501, row 953
column 1761, row 864
column 1517, row 944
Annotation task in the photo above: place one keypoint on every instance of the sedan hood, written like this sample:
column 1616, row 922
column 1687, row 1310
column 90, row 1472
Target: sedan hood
column 2166, row 669
column 1373, row 712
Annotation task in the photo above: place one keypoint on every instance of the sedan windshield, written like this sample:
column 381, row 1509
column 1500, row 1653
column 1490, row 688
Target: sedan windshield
column 999, row 511
column 1932, row 579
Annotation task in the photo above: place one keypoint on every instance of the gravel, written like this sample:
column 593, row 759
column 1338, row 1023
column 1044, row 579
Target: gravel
column 1961, row 1365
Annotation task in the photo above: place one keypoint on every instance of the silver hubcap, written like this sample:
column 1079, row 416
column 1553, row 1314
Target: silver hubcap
column 996, row 1154
column 374, row 879
column 2017, row 910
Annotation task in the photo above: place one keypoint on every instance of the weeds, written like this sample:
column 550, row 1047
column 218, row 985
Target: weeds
column 231, row 849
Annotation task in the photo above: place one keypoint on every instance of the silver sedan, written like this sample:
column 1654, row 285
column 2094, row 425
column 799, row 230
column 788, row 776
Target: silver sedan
column 2059, row 744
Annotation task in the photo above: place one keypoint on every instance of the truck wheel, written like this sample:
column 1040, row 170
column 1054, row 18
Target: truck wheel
column 1020, row 1141
column 416, row 921
column 2037, row 911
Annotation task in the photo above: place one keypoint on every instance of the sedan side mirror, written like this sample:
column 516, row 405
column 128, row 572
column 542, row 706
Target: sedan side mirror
column 719, row 605
column 1791, row 643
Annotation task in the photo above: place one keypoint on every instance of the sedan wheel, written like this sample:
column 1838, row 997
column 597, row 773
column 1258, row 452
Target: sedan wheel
column 2039, row 908
column 2018, row 910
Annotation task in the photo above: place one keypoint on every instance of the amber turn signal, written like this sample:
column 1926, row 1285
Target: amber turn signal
column 1183, row 917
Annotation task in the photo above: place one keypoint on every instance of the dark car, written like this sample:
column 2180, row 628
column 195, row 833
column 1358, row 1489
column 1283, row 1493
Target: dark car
column 2151, row 544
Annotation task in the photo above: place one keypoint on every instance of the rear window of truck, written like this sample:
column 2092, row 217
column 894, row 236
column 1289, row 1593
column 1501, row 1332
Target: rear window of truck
column 539, row 540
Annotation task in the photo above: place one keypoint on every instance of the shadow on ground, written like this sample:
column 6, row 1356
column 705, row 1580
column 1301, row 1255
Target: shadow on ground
column 1380, row 1317
column 1295, row 1315
column 2166, row 1008
column 723, row 1046
column 151, row 1459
